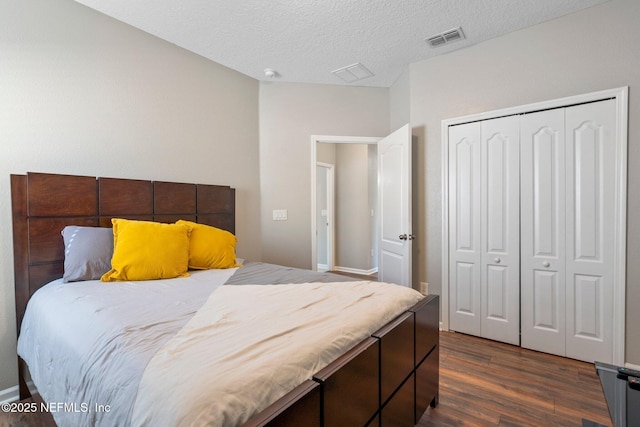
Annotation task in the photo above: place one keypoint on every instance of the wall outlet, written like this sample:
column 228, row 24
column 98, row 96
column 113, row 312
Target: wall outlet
column 424, row 288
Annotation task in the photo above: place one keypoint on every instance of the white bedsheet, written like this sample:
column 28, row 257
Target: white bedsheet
column 173, row 349
column 87, row 343
column 250, row 345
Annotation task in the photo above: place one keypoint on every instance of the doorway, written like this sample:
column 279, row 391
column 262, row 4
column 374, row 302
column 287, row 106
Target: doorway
column 325, row 215
column 384, row 223
column 346, row 199
column 324, row 151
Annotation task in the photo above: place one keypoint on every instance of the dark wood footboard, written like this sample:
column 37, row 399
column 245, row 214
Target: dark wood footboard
column 389, row 379
column 300, row 407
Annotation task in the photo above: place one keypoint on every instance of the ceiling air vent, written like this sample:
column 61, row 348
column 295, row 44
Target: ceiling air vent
column 445, row 37
column 352, row 73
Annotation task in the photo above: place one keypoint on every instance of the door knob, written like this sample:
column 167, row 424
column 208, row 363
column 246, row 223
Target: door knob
column 402, row 237
column 497, row 260
column 546, row 264
column 412, row 236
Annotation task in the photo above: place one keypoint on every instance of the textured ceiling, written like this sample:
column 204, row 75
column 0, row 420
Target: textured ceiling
column 304, row 40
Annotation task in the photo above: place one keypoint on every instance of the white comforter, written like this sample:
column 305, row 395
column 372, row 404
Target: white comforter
column 189, row 351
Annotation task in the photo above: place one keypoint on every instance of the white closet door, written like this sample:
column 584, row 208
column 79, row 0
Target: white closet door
column 464, row 227
column 590, row 208
column 542, row 211
column 500, row 228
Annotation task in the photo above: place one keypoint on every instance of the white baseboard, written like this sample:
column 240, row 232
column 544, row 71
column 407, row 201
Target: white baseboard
column 11, row 394
column 356, row 270
column 323, row 267
column 631, row 366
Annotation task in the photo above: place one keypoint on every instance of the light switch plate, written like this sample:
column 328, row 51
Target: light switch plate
column 279, row 214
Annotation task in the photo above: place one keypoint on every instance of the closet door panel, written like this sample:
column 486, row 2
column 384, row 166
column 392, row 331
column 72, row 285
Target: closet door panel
column 545, row 299
column 590, row 201
column 500, row 297
column 542, row 204
column 464, row 228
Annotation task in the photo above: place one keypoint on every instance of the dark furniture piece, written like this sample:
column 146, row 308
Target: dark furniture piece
column 623, row 400
column 389, row 379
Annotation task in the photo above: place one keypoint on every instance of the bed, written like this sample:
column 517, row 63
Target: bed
column 385, row 372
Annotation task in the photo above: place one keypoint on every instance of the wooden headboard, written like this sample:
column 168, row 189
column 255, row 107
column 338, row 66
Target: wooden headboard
column 43, row 204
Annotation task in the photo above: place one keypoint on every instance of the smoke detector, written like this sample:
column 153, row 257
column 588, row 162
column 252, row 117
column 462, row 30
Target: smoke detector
column 445, row 37
column 270, row 73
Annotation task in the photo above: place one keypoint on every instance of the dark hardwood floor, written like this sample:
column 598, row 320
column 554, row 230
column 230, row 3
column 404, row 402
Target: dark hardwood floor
column 485, row 383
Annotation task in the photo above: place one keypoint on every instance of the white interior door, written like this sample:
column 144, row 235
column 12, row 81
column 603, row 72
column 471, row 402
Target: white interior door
column 464, row 228
column 590, row 232
column 542, row 174
column 500, row 229
column 394, row 201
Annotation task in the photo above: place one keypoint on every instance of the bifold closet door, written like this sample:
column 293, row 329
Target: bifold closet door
column 484, row 229
column 464, row 228
column 500, row 229
column 542, row 265
column 567, row 233
column 590, row 232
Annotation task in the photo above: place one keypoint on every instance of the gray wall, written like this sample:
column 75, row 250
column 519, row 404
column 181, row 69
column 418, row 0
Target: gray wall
column 591, row 50
column 289, row 114
column 81, row 93
column 399, row 101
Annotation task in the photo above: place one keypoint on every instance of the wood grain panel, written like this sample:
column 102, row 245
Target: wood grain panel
column 20, row 244
column 350, row 386
column 396, row 353
column 45, row 236
column 399, row 411
column 62, row 195
column 105, row 221
column 41, row 274
column 167, row 219
column 214, row 199
column 172, row 198
column 128, row 197
column 374, row 422
column 222, row 221
column 427, row 326
column 299, row 407
column 427, row 378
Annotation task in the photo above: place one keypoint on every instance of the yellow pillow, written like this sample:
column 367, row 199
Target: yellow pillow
column 145, row 250
column 210, row 247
